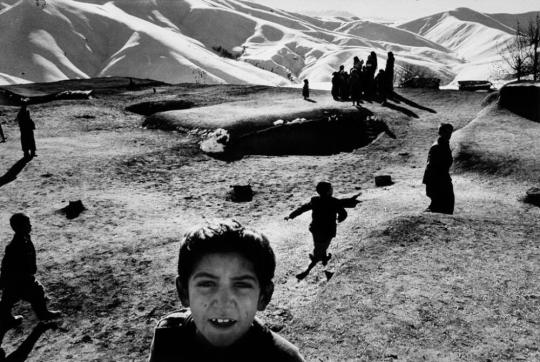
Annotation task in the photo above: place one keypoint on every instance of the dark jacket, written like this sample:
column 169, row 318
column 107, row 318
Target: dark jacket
column 175, row 340
column 438, row 163
column 19, row 263
column 305, row 91
column 324, row 211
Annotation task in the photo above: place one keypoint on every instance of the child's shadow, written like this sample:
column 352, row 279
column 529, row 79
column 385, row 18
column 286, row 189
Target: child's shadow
column 310, row 100
column 22, row 352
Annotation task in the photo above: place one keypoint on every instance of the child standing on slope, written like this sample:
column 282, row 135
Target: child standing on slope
column 324, row 210
column 305, row 89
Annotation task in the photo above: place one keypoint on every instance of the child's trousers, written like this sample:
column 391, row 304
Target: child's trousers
column 31, row 292
column 321, row 243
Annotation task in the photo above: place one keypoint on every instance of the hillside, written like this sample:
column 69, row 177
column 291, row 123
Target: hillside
column 474, row 37
column 470, row 34
column 408, row 285
column 197, row 41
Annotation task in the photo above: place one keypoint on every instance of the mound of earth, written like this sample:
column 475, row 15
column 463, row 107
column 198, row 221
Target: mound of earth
column 499, row 142
column 427, row 287
column 522, row 99
column 149, row 108
column 246, row 116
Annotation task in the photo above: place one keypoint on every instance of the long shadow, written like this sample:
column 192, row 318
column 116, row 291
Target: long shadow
column 23, row 350
column 403, row 110
column 310, row 100
column 399, row 98
column 364, row 112
column 12, row 173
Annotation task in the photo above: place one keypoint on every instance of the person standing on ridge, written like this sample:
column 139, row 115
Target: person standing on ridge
column 305, row 89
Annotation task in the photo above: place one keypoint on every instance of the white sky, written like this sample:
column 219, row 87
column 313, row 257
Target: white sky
column 396, row 10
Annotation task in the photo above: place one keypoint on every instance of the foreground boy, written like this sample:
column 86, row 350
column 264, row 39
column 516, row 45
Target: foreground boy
column 323, row 225
column 224, row 276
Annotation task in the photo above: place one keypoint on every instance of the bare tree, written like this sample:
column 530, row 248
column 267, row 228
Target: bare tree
column 533, row 42
column 516, row 53
column 407, row 71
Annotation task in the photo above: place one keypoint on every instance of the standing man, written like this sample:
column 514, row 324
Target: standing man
column 439, row 186
column 17, row 275
column 3, row 138
column 389, row 73
column 27, row 127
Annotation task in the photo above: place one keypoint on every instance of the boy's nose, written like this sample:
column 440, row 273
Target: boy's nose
column 225, row 298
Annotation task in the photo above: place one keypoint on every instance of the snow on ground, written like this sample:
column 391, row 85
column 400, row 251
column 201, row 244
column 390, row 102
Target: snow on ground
column 176, row 41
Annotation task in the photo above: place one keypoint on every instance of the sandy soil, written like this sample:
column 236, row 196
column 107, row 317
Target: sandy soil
column 408, row 285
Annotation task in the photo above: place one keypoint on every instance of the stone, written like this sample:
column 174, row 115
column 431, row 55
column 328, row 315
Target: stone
column 533, row 196
column 241, row 193
column 383, row 180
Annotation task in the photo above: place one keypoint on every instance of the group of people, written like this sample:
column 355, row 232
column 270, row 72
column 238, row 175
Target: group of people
column 26, row 127
column 363, row 81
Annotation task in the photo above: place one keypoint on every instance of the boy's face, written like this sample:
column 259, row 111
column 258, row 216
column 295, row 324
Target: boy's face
column 224, row 294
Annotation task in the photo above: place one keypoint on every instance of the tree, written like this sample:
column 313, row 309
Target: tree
column 515, row 53
column 407, row 71
column 533, row 42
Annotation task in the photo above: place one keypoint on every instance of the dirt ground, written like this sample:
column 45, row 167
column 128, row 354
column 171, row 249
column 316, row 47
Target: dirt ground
column 408, row 285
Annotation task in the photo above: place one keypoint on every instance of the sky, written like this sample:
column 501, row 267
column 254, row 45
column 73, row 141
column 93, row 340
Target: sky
column 400, row 10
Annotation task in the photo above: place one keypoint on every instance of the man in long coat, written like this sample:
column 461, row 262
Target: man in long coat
column 27, row 127
column 389, row 73
column 437, row 178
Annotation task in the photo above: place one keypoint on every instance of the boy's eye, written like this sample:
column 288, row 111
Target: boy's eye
column 243, row 285
column 205, row 284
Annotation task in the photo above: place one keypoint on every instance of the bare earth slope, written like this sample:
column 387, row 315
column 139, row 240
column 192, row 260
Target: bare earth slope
column 407, row 285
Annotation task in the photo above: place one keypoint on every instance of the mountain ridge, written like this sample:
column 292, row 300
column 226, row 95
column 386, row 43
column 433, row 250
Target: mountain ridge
column 221, row 41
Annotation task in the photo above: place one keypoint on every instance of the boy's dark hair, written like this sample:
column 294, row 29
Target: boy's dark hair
column 223, row 237
column 17, row 220
column 322, row 187
column 446, row 127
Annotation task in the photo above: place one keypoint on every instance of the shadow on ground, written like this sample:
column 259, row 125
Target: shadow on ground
column 12, row 173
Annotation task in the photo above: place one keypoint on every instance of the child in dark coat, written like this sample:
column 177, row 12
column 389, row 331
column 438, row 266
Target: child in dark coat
column 17, row 275
column 324, row 209
column 305, row 89
column 225, row 276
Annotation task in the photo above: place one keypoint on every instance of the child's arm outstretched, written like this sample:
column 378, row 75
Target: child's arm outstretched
column 299, row 211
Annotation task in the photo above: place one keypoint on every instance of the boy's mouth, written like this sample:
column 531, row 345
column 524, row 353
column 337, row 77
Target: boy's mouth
column 222, row 322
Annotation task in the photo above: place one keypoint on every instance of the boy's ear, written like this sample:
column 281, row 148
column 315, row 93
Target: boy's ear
column 265, row 296
column 182, row 292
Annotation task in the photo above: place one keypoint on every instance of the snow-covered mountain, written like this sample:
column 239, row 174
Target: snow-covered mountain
column 222, row 41
column 475, row 37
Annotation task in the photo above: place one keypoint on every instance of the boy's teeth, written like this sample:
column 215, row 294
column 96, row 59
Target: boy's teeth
column 222, row 320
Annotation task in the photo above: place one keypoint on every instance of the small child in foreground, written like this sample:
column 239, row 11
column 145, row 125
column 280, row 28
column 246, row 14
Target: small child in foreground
column 323, row 225
column 225, row 276
column 305, row 89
